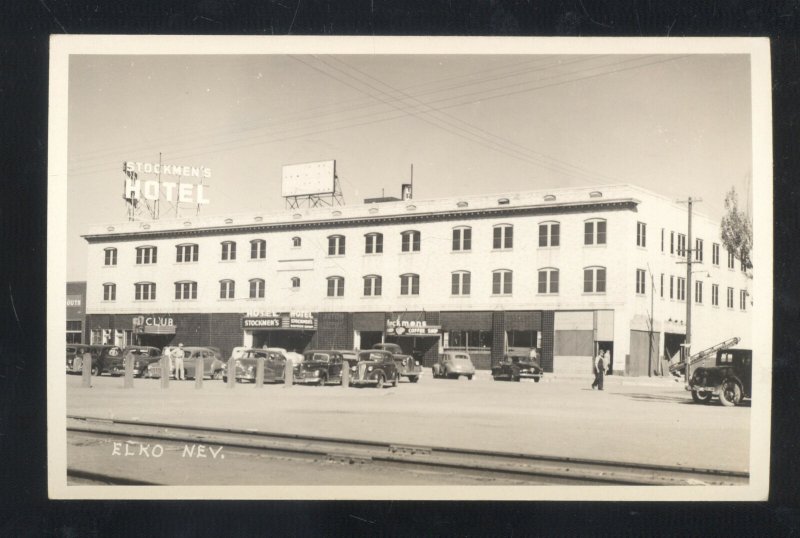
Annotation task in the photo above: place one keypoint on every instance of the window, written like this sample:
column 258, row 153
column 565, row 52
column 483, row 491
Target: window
column 640, row 286
column 296, row 242
column 256, row 288
column 742, row 300
column 662, row 285
column 258, row 249
column 409, row 284
column 548, row 281
column 335, row 286
column 549, row 234
column 522, row 338
column 594, row 232
column 470, row 339
column 336, row 245
column 460, row 283
column 110, row 256
column 698, row 291
column 187, row 253
column 373, row 285
column 730, row 259
column 145, row 255
column 730, row 297
column 672, row 242
column 74, row 332
column 681, row 245
column 295, row 282
column 715, row 254
column 662, row 239
column 681, row 289
column 227, row 289
column 743, row 266
column 462, row 239
column 714, row 294
column 144, row 291
column 671, row 287
column 698, row 250
column 109, row 292
column 374, row 243
column 641, row 234
column 502, row 281
column 410, row 241
column 594, row 280
column 185, row 290
column 503, row 237
column 228, row 251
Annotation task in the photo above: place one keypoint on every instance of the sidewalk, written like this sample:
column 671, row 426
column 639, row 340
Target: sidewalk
column 609, row 380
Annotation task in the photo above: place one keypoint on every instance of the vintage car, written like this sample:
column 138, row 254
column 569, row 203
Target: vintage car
column 730, row 379
column 102, row 355
column 75, row 357
column 212, row 365
column 321, row 367
column 406, row 365
column 374, row 367
column 453, row 364
column 143, row 356
column 516, row 367
column 247, row 364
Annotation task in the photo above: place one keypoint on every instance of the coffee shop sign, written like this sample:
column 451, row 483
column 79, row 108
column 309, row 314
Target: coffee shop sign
column 401, row 327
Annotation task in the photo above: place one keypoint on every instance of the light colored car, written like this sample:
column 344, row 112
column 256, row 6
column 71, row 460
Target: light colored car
column 453, row 364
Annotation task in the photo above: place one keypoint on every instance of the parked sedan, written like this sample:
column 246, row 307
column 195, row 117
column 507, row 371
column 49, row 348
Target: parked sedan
column 322, row 367
column 247, row 363
column 453, row 364
column 514, row 368
column 102, row 355
column 407, row 366
column 143, row 356
column 374, row 368
column 212, row 366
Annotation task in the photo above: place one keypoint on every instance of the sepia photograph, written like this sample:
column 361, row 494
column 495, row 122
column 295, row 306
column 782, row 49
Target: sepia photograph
column 409, row 268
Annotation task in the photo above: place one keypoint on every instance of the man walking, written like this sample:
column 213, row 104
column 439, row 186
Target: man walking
column 177, row 359
column 599, row 370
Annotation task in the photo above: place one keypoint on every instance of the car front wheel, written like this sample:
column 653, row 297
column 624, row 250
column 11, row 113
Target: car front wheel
column 469, row 377
column 413, row 378
column 730, row 393
column 701, row 396
column 95, row 370
column 379, row 384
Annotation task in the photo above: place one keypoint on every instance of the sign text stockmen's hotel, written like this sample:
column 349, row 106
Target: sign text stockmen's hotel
column 183, row 190
column 279, row 320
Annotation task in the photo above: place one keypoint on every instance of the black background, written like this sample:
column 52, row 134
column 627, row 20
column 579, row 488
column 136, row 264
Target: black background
column 24, row 30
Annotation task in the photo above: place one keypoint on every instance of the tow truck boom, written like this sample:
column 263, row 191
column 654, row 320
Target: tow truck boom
column 679, row 367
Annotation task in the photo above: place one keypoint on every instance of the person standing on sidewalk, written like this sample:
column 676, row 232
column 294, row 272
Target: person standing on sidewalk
column 599, row 370
column 177, row 358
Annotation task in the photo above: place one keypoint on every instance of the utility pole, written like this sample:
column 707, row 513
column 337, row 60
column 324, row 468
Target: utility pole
column 689, row 252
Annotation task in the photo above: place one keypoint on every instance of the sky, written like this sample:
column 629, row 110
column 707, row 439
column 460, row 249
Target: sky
column 679, row 125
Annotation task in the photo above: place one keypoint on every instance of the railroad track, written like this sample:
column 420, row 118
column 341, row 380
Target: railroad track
column 518, row 466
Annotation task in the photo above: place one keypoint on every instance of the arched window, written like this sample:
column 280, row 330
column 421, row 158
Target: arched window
column 548, row 280
column 373, row 243
column 336, row 244
column 258, row 249
column 144, row 291
column 462, row 238
column 185, row 290
column 109, row 291
column 409, row 284
column 594, row 280
column 549, row 234
column 503, row 237
column 227, row 289
column 594, row 232
column 295, row 282
column 110, row 256
column 502, row 282
column 256, row 288
column 228, row 250
column 296, row 242
column 335, row 286
column 460, row 282
column 187, row 253
column 146, row 255
column 373, row 285
column 411, row 241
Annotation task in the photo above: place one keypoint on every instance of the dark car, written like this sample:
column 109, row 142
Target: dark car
column 102, row 355
column 76, row 351
column 374, row 367
column 407, row 366
column 247, row 363
column 516, row 367
column 321, row 367
column 143, row 356
column 730, row 379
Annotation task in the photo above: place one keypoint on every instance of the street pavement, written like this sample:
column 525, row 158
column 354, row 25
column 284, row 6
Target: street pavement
column 648, row 420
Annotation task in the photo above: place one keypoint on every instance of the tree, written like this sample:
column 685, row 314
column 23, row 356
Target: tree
column 737, row 229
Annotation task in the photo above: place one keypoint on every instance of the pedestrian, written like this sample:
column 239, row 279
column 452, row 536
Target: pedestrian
column 177, row 357
column 599, row 370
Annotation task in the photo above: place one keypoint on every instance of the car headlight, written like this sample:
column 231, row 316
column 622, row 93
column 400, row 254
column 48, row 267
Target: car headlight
column 249, row 369
column 416, row 362
column 369, row 368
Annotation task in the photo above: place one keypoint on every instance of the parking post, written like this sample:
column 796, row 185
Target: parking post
column 231, row 373
column 128, row 363
column 259, row 372
column 345, row 375
column 86, row 370
column 165, row 371
column 288, row 374
column 199, row 372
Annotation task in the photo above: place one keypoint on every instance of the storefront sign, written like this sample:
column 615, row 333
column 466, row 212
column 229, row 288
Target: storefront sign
column 182, row 191
column 151, row 324
column 255, row 319
column 411, row 328
column 261, row 323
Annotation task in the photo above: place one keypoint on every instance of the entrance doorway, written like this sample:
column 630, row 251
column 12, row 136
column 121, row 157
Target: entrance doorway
column 297, row 341
column 672, row 344
column 370, row 338
column 424, row 349
column 608, row 346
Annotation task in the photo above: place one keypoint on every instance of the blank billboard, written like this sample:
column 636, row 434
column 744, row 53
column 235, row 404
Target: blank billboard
column 308, row 178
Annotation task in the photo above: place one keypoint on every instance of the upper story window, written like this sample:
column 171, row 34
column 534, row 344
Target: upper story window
column 502, row 282
column 672, row 242
column 730, row 297
column 409, row 284
column 742, row 299
column 295, row 282
column 228, row 250
column 185, row 290
column 594, row 232
column 296, row 242
column 373, row 285
column 641, row 234
column 146, row 255
column 698, row 291
column 258, row 249
column 681, row 288
column 731, row 259
column 109, row 292
column 671, row 287
column 335, row 286
column 549, row 234
column 714, row 294
column 503, row 237
column 460, row 282
column 373, row 243
column 462, row 238
column 662, row 285
column 594, row 280
column 698, row 250
column 681, row 249
column 640, row 282
column 144, row 291
column 187, row 253
column 336, row 245
column 227, row 289
column 110, row 256
column 742, row 265
column 257, row 288
column 715, row 254
column 411, row 241
column 548, row 280
column 662, row 239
